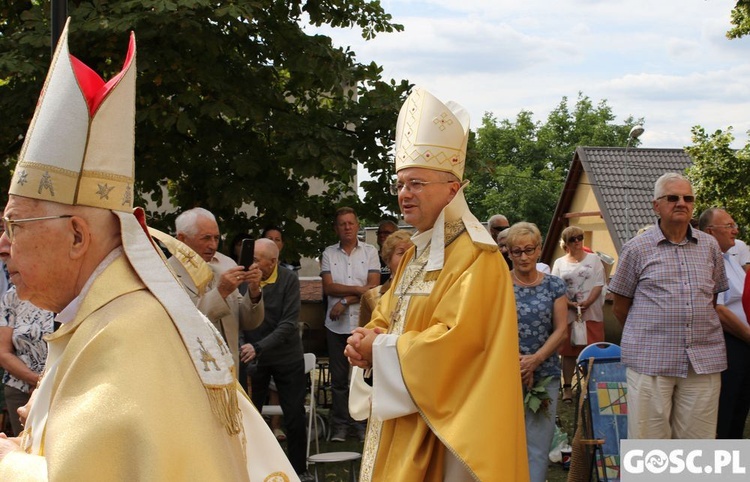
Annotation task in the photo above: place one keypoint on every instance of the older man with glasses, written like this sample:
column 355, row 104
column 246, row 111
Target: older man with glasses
column 734, row 400
column 665, row 292
column 138, row 385
column 497, row 223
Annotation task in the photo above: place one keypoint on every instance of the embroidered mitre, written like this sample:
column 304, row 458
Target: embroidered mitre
column 79, row 147
column 431, row 134
column 79, row 151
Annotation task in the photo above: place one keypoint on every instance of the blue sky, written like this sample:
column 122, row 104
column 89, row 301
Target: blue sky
column 665, row 60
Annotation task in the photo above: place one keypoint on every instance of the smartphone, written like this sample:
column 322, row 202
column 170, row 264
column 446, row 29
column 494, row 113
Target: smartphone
column 247, row 253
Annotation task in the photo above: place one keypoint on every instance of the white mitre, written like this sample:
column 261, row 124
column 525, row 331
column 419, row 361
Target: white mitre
column 433, row 135
column 79, row 151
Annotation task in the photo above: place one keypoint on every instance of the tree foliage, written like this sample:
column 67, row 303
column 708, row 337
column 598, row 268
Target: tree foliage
column 518, row 168
column 236, row 103
column 720, row 174
column 740, row 18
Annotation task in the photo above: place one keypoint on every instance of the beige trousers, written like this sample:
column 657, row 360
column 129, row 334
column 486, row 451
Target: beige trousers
column 661, row 407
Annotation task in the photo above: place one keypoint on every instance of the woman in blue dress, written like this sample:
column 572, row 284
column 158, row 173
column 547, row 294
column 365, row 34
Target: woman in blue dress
column 541, row 306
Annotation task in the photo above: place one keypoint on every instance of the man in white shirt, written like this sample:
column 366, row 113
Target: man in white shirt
column 741, row 253
column 348, row 269
column 734, row 398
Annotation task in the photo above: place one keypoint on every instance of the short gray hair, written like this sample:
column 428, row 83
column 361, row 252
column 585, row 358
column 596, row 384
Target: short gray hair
column 495, row 217
column 185, row 222
column 665, row 179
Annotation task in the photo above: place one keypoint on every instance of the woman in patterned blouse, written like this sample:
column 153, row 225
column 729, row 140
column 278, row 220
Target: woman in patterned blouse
column 22, row 350
column 541, row 307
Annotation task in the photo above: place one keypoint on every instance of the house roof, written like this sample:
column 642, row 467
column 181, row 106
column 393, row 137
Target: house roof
column 622, row 180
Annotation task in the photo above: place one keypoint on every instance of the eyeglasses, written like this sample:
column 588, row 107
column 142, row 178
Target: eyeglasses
column 413, row 185
column 9, row 224
column 727, row 226
column 498, row 228
column 387, row 233
column 673, row 198
column 575, row 239
column 517, row 252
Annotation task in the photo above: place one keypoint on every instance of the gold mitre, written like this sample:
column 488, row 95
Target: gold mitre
column 79, row 147
column 431, row 134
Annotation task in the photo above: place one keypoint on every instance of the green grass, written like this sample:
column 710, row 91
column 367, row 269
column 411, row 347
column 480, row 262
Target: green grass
column 555, row 472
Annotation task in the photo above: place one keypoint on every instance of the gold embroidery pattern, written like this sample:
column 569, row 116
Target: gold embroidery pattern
column 370, row 450
column 22, row 178
column 104, row 190
column 127, row 197
column 442, row 121
column 412, row 282
column 46, row 183
column 223, row 349
column 453, row 230
column 207, row 358
column 277, row 477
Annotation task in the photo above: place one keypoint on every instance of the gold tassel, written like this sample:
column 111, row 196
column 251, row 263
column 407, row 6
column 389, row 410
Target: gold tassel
column 223, row 400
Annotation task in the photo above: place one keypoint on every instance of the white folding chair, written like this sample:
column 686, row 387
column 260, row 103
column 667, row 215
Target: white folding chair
column 312, row 414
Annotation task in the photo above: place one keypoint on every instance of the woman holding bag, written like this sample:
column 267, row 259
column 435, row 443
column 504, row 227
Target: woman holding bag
column 583, row 274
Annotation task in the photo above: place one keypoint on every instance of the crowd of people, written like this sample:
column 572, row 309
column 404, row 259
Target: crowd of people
column 121, row 365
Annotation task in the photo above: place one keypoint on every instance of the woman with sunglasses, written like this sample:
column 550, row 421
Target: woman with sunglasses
column 541, row 304
column 583, row 274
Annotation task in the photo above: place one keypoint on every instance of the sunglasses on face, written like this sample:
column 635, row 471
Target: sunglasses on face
column 673, row 198
column 575, row 239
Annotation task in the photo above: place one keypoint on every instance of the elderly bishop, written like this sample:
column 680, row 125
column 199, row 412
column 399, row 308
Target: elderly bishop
column 138, row 384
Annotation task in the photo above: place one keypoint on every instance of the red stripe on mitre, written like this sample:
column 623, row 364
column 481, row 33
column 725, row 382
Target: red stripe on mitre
column 92, row 85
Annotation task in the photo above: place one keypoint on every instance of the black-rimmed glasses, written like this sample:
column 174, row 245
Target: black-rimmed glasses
column 575, row 239
column 518, row 252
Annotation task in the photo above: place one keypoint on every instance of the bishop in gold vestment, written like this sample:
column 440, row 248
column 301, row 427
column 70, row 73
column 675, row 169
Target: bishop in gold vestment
column 442, row 346
column 138, row 385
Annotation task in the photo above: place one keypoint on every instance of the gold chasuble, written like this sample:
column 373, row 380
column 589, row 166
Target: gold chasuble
column 138, row 385
column 458, row 352
column 119, row 385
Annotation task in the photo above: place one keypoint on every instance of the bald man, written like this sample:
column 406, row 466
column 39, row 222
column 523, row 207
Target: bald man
column 274, row 349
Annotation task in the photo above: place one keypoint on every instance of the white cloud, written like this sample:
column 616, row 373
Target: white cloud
column 666, row 60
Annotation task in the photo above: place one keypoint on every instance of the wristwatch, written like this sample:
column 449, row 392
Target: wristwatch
column 344, row 302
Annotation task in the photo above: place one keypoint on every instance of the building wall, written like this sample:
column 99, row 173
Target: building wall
column 597, row 238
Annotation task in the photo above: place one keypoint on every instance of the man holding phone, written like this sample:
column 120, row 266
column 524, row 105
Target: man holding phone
column 221, row 302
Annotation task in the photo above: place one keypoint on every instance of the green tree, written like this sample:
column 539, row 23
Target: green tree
column 720, row 174
column 236, row 102
column 518, row 167
column 740, row 19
